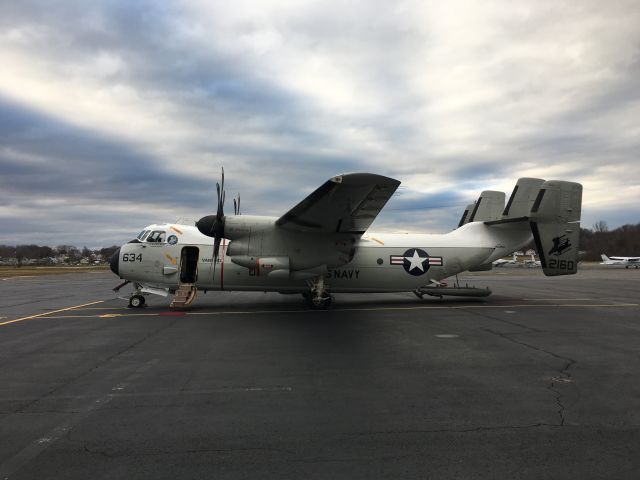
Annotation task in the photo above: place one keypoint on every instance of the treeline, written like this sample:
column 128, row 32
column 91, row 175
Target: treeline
column 623, row 241
column 10, row 254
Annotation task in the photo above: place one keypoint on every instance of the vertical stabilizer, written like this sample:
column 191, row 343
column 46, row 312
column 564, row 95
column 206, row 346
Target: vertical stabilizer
column 488, row 207
column 555, row 224
column 466, row 215
column 522, row 198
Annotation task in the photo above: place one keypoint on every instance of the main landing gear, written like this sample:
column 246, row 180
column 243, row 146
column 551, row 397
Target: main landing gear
column 318, row 296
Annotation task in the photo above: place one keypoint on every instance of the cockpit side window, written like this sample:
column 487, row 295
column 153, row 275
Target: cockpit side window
column 157, row 236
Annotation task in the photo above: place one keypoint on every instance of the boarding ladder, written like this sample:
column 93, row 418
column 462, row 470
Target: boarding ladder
column 185, row 294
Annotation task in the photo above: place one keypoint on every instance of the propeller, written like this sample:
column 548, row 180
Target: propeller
column 213, row 225
column 236, row 205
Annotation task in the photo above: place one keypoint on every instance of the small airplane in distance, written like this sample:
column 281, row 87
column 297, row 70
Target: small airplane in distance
column 626, row 261
column 532, row 262
column 322, row 245
column 501, row 262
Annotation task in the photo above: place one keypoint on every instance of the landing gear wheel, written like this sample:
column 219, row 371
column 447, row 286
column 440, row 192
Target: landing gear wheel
column 318, row 296
column 319, row 303
column 137, row 301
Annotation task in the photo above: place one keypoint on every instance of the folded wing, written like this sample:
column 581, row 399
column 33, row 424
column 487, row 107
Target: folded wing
column 343, row 204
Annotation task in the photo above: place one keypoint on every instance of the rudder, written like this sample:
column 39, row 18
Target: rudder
column 522, row 198
column 555, row 224
column 488, row 207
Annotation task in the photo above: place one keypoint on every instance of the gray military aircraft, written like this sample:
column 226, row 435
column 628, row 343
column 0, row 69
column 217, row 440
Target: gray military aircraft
column 322, row 245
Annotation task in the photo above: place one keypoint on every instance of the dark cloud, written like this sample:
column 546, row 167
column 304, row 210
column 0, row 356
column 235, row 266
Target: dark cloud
column 79, row 165
column 161, row 94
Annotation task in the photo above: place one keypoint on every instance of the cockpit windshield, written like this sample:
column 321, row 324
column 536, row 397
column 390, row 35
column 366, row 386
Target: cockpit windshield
column 157, row 236
column 142, row 234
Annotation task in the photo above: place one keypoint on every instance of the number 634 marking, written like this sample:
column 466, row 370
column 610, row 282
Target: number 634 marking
column 131, row 257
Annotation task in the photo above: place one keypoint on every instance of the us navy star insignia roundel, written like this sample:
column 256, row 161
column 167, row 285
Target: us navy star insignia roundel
column 415, row 261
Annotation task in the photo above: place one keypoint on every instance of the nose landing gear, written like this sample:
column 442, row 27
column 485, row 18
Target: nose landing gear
column 136, row 301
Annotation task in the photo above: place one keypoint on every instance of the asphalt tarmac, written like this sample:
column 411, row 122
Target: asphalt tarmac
column 539, row 380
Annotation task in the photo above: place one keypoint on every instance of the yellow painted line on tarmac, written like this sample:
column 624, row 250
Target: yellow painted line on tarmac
column 22, row 319
column 364, row 309
column 102, row 308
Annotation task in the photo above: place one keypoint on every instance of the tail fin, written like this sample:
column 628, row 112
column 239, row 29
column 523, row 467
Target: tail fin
column 555, row 224
column 605, row 258
column 466, row 215
column 488, row 207
column 522, row 198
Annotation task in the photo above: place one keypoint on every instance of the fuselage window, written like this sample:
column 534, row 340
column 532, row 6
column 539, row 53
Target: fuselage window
column 157, row 236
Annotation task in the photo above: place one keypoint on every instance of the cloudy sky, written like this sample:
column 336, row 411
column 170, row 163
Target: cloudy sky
column 117, row 114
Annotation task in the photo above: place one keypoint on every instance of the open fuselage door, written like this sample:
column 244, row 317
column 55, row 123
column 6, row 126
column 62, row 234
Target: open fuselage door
column 187, row 289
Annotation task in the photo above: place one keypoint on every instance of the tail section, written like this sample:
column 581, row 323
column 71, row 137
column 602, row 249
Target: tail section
column 488, row 207
column 604, row 258
column 555, row 223
column 466, row 215
column 522, row 198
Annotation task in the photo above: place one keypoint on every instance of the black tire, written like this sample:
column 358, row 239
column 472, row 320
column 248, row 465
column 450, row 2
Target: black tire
column 137, row 301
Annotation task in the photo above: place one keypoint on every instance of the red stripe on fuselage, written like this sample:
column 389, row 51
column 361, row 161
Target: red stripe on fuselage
column 222, row 267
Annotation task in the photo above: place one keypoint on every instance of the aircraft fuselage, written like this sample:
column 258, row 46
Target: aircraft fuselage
column 381, row 262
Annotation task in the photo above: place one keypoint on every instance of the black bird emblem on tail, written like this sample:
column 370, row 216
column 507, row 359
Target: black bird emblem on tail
column 561, row 244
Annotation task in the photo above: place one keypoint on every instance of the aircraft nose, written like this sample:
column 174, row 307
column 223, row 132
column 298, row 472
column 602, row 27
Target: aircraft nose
column 114, row 262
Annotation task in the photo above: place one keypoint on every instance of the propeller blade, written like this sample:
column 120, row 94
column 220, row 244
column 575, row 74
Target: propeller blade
column 238, row 203
column 213, row 225
column 216, row 248
column 235, row 207
column 216, row 252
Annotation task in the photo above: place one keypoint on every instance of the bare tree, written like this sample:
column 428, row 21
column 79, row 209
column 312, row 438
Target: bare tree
column 600, row 226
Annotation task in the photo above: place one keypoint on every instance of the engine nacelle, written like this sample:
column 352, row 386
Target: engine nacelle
column 242, row 226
